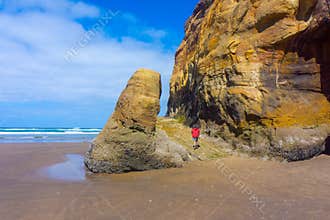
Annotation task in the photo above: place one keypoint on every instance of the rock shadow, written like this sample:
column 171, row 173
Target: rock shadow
column 327, row 146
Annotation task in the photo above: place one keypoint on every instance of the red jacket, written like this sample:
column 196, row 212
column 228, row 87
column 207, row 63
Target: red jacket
column 195, row 132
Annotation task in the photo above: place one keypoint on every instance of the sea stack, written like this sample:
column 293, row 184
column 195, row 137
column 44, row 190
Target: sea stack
column 128, row 142
column 257, row 74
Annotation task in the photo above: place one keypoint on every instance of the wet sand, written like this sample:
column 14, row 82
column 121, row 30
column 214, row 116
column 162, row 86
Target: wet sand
column 234, row 188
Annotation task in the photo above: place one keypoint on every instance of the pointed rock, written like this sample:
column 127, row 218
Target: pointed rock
column 129, row 142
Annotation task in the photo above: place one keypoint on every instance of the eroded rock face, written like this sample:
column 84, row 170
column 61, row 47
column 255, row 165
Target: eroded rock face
column 138, row 105
column 258, row 74
column 129, row 141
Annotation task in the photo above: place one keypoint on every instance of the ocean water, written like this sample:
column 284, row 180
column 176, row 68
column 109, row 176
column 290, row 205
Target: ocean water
column 40, row 135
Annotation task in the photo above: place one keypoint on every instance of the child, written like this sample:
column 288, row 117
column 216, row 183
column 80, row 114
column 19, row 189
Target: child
column 195, row 132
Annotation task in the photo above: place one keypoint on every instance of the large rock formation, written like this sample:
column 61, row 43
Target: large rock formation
column 129, row 141
column 257, row 72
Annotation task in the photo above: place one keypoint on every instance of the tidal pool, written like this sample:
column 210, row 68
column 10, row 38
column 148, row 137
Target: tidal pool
column 73, row 169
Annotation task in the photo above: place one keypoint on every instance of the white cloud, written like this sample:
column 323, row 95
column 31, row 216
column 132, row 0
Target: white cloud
column 83, row 10
column 33, row 45
column 155, row 33
column 64, row 7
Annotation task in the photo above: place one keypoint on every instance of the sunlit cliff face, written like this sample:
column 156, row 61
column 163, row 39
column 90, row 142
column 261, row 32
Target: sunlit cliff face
column 248, row 67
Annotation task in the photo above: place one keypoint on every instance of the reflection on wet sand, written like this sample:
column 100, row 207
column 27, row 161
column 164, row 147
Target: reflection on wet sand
column 201, row 190
column 72, row 169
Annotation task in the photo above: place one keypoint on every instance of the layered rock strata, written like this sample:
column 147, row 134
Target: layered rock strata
column 257, row 73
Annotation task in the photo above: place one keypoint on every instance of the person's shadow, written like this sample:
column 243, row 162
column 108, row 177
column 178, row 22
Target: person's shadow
column 196, row 147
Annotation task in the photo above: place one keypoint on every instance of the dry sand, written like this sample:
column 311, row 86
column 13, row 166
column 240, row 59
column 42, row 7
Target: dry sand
column 235, row 188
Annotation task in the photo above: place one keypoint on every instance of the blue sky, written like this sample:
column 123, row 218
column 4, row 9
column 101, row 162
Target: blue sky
column 65, row 62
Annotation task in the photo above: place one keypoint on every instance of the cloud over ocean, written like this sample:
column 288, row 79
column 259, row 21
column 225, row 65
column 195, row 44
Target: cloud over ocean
column 35, row 37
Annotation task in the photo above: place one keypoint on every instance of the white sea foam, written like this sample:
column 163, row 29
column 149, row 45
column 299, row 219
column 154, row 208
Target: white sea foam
column 9, row 135
column 17, row 129
column 47, row 133
column 49, row 130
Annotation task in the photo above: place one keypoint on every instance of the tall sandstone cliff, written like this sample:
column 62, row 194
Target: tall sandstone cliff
column 257, row 73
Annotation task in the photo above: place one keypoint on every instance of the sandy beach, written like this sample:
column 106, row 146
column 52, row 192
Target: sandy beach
column 234, row 188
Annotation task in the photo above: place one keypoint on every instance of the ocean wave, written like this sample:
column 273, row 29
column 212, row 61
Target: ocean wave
column 17, row 129
column 48, row 133
column 35, row 135
column 32, row 137
column 63, row 129
column 26, row 131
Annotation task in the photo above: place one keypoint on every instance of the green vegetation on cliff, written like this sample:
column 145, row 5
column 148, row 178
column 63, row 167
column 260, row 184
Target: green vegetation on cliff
column 211, row 148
